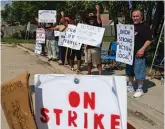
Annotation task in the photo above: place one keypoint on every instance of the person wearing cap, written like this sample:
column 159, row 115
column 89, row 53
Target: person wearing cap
column 94, row 53
column 65, row 52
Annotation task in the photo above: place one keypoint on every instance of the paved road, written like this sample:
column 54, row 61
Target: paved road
column 16, row 61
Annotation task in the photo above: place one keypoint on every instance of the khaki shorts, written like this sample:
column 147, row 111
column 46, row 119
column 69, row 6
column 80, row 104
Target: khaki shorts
column 94, row 56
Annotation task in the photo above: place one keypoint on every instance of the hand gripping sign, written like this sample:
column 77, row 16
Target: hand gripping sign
column 125, row 49
column 80, row 102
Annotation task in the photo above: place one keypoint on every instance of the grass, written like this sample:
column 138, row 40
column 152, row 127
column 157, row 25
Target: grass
column 11, row 40
column 108, row 39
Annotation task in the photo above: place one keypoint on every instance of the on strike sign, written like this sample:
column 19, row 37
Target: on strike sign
column 69, row 102
column 125, row 50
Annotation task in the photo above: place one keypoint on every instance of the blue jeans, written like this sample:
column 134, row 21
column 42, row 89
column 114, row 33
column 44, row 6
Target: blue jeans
column 138, row 69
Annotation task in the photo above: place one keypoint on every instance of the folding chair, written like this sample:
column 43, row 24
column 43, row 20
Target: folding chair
column 109, row 57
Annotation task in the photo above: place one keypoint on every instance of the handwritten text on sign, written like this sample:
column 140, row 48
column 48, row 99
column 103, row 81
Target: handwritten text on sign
column 47, row 16
column 69, row 38
column 72, row 107
column 125, row 49
column 40, row 35
column 90, row 35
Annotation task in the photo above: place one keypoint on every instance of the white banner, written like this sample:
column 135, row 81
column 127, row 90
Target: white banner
column 125, row 49
column 38, row 48
column 47, row 16
column 90, row 35
column 40, row 35
column 69, row 40
column 71, row 102
column 61, row 38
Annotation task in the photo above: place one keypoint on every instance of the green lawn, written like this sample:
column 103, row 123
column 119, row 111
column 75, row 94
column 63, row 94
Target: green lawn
column 11, row 40
column 108, row 39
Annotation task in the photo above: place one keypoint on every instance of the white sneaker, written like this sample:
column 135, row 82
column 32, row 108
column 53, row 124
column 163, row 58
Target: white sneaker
column 139, row 93
column 130, row 89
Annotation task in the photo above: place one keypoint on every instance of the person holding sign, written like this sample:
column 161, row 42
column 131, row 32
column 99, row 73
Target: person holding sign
column 143, row 38
column 51, row 40
column 65, row 53
column 94, row 53
column 77, row 53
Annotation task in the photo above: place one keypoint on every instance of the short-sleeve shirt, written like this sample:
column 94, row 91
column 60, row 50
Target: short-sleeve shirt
column 92, row 20
column 142, row 34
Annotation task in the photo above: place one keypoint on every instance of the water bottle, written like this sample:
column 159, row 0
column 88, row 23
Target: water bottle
column 162, row 81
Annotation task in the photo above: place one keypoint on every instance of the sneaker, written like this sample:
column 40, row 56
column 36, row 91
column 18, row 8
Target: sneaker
column 139, row 93
column 61, row 63
column 130, row 89
column 78, row 71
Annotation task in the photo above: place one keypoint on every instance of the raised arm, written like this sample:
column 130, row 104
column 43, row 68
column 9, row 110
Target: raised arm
column 36, row 19
column 98, row 14
column 62, row 16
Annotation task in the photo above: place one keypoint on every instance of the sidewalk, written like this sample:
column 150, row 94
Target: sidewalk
column 146, row 112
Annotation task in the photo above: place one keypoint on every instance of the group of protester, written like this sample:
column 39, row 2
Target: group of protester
column 143, row 38
column 55, row 52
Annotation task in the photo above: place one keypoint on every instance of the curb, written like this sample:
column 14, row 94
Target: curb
column 149, row 115
column 152, row 118
column 63, row 69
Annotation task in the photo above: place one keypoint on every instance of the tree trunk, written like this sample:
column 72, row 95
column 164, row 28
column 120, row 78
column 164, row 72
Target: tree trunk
column 115, row 26
column 127, row 13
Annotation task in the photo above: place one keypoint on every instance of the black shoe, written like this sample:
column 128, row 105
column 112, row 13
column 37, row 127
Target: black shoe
column 50, row 59
column 54, row 59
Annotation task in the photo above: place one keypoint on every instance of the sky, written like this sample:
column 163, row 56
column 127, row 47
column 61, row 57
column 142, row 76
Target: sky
column 3, row 2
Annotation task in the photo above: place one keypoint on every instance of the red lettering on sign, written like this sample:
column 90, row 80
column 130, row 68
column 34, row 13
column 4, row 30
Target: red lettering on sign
column 89, row 100
column 85, row 120
column 71, row 119
column 57, row 113
column 45, row 117
column 114, row 121
column 97, row 121
column 74, row 99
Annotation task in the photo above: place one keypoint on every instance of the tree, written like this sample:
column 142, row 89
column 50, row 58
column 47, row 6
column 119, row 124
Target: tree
column 25, row 11
column 158, row 18
column 150, row 7
column 6, row 13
